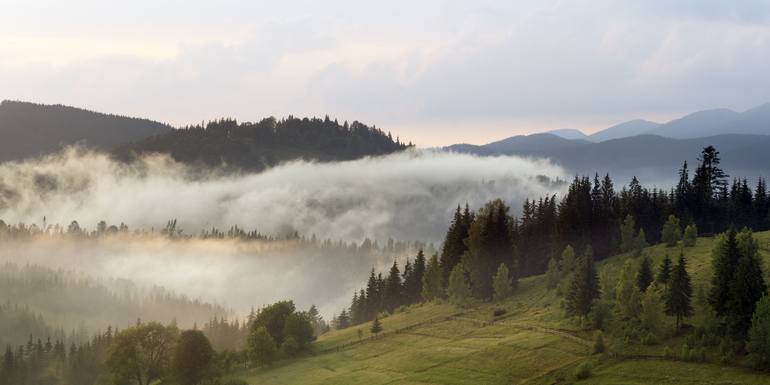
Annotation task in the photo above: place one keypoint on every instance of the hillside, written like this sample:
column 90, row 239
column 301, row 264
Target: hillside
column 532, row 343
column 256, row 146
column 28, row 129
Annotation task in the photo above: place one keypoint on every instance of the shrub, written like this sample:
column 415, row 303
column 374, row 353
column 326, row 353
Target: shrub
column 498, row 312
column 668, row 353
column 684, row 355
column 649, row 339
column 583, row 371
column 599, row 343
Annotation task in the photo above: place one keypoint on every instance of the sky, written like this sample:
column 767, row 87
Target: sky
column 432, row 72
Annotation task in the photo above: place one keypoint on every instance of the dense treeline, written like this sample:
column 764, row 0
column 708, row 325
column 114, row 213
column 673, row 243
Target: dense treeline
column 256, row 146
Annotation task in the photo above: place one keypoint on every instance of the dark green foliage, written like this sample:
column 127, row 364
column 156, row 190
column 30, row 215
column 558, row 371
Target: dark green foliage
column 393, row 289
column 142, row 353
column 433, row 281
column 454, row 243
column 679, row 293
column 376, row 326
column 690, row 237
column 759, row 335
column 583, row 371
column 584, row 287
column 273, row 319
column 299, row 328
column 598, row 347
column 193, row 358
column 738, row 281
column 664, row 272
column 672, row 232
column 413, row 275
column 261, row 348
column 490, row 243
column 502, row 283
column 644, row 276
column 256, row 146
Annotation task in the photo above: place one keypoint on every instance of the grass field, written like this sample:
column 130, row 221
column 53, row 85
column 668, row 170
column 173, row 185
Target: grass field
column 532, row 344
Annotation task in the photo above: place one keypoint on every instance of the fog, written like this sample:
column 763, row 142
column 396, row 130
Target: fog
column 406, row 196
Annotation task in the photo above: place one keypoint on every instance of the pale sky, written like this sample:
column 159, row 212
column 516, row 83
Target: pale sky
column 433, row 72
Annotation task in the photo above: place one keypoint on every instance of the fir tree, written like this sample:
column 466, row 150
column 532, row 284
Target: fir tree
column 567, row 260
column 584, row 287
column 747, row 286
column 627, row 231
column 679, row 294
column 690, row 236
column 759, row 335
column 433, row 280
column 376, row 326
column 664, row 272
column 671, row 233
column 644, row 276
column 393, row 289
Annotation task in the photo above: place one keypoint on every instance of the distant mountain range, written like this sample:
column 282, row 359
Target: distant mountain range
column 29, row 129
column 696, row 125
column 649, row 150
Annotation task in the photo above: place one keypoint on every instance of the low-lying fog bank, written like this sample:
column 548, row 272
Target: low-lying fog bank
column 409, row 195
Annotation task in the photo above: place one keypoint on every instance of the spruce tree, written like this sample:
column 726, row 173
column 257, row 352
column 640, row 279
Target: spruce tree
column 725, row 256
column 672, row 232
column 584, row 287
column 552, row 275
column 679, row 294
column 393, row 289
column 433, row 280
column 690, row 236
column 759, row 335
column 747, row 286
column 664, row 272
column 644, row 276
column 627, row 232
column 502, row 283
column 376, row 326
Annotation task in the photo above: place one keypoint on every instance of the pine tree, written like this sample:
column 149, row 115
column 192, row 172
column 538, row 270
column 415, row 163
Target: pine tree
column 672, row 232
column 627, row 231
column 584, row 287
column 644, row 276
column 413, row 279
column 725, row 256
column 759, row 335
column 502, row 283
column 747, row 286
column 393, row 289
column 373, row 296
column 679, row 293
column 490, row 242
column 458, row 289
column 690, row 236
column 376, row 326
column 454, row 243
column 664, row 272
column 433, row 280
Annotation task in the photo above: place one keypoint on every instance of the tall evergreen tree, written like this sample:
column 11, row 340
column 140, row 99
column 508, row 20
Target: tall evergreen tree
column 679, row 293
column 433, row 280
column 490, row 243
column 747, row 286
column 644, row 276
column 664, row 272
column 725, row 256
column 454, row 243
column 393, row 289
column 584, row 287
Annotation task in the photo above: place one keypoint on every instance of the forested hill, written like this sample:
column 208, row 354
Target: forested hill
column 29, row 129
column 256, row 146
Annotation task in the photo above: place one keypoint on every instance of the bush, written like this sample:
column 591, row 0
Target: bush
column 599, row 343
column 498, row 312
column 684, row 355
column 583, row 371
column 649, row 339
column 668, row 353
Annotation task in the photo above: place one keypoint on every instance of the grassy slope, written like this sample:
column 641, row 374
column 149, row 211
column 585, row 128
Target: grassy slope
column 532, row 344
